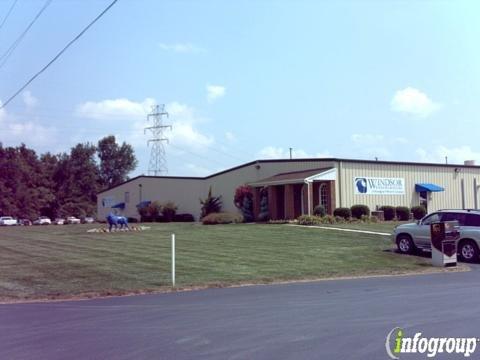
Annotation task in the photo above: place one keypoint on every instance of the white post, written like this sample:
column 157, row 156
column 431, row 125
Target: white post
column 173, row 259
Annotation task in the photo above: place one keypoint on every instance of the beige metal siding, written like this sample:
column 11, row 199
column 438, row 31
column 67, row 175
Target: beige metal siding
column 225, row 184
column 445, row 177
column 183, row 192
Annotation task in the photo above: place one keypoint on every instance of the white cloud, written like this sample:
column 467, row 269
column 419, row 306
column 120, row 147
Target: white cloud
column 272, row 152
column 215, row 92
column 456, row 155
column 115, row 108
column 182, row 118
column 29, row 100
column 15, row 131
column 414, row 102
column 182, row 48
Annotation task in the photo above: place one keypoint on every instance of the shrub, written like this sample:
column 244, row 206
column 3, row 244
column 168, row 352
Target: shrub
column 222, row 218
column 243, row 200
column 388, row 212
column 168, row 210
column 329, row 219
column 264, row 214
column 342, row 212
column 418, row 212
column 319, row 211
column 340, row 219
column 183, row 218
column 150, row 212
column 247, row 209
column 309, row 220
column 212, row 204
column 360, row 210
column 365, row 219
column 403, row 213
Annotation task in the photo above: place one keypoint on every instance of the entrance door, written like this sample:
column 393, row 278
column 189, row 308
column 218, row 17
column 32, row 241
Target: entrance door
column 423, row 196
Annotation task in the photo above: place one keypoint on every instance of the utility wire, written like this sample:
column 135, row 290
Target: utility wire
column 8, row 14
column 14, row 45
column 58, row 55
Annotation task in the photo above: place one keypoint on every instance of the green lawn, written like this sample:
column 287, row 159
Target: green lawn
column 64, row 261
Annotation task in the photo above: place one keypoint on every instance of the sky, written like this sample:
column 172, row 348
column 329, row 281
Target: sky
column 247, row 80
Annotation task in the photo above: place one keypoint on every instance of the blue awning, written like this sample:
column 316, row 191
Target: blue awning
column 119, row 206
column 143, row 204
column 428, row 187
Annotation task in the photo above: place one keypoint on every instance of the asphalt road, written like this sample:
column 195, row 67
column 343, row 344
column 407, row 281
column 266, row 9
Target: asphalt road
column 346, row 319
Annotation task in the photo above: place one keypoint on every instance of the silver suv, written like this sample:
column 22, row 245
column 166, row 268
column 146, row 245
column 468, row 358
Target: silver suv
column 415, row 236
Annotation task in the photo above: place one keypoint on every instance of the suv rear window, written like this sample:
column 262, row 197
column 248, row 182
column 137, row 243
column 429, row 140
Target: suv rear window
column 460, row 217
column 473, row 220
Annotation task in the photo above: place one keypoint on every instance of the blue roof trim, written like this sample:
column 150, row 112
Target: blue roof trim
column 428, row 187
column 119, row 206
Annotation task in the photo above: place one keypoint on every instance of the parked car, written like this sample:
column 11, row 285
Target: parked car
column 24, row 222
column 8, row 221
column 414, row 236
column 42, row 220
column 72, row 220
column 88, row 220
column 59, row 221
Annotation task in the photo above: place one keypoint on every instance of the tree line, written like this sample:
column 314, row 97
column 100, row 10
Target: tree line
column 59, row 185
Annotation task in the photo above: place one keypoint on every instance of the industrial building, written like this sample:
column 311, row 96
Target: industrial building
column 295, row 186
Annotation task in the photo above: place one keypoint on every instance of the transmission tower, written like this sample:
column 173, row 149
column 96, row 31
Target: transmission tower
column 158, row 163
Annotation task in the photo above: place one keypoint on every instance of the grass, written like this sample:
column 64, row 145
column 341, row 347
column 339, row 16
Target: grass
column 65, row 261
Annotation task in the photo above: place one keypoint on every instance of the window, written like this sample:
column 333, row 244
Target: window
column 435, row 217
column 323, row 193
column 473, row 220
column 127, row 197
column 460, row 217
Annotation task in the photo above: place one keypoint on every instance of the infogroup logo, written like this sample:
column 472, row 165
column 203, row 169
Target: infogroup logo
column 397, row 344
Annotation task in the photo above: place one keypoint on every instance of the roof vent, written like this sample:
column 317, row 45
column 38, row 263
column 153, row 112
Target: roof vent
column 469, row 162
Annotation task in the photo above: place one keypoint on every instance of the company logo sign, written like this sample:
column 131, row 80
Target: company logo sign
column 379, row 186
column 397, row 344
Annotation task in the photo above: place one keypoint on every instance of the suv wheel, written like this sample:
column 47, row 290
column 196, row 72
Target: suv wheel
column 405, row 244
column 468, row 251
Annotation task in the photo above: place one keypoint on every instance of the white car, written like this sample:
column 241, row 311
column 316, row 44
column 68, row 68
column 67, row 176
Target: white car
column 73, row 220
column 59, row 221
column 88, row 220
column 7, row 220
column 42, row 220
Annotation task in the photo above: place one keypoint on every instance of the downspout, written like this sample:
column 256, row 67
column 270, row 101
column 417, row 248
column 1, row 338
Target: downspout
column 475, row 195
column 340, row 184
column 462, row 187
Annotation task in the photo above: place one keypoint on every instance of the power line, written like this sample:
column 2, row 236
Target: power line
column 58, row 55
column 8, row 14
column 14, row 45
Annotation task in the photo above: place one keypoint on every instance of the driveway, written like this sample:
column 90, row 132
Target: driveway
column 344, row 319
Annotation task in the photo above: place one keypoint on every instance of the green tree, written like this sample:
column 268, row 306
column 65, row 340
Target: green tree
column 116, row 161
column 77, row 181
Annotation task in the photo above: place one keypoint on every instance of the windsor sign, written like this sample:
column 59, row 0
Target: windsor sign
column 379, row 186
